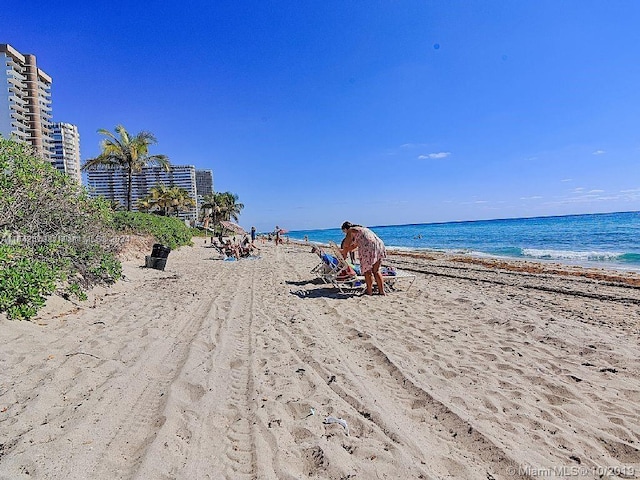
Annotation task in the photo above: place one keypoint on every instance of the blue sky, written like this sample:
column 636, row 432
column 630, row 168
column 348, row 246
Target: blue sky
column 377, row 112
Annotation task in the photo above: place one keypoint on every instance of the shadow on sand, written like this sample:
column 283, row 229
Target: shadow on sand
column 324, row 292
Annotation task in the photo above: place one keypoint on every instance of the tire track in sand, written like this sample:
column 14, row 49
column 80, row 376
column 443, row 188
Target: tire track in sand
column 210, row 398
column 136, row 429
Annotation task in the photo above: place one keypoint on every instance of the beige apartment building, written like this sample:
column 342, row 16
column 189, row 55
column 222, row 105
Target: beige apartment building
column 25, row 100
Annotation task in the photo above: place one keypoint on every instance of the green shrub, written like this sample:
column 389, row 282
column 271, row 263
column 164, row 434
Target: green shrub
column 25, row 282
column 199, row 232
column 54, row 237
column 169, row 231
column 74, row 289
column 50, row 231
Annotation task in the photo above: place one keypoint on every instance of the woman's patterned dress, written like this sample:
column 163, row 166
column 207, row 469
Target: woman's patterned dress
column 370, row 247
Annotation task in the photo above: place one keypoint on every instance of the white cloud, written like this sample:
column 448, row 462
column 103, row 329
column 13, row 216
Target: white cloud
column 407, row 146
column 535, row 197
column 598, row 152
column 434, row 156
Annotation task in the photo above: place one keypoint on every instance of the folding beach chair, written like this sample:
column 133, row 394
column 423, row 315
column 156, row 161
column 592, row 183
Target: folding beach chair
column 332, row 270
column 327, row 262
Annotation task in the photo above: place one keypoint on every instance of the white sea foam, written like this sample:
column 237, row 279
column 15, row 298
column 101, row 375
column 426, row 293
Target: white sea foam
column 569, row 255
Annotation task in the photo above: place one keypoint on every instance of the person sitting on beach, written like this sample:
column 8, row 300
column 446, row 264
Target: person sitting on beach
column 230, row 249
column 246, row 248
column 371, row 251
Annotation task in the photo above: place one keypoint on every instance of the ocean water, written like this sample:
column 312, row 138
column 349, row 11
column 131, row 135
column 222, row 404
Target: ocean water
column 608, row 240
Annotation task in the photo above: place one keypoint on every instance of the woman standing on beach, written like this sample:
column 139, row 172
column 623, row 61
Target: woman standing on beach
column 371, row 251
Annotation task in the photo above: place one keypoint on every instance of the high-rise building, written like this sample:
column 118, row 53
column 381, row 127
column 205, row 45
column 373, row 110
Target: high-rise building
column 204, row 186
column 66, row 150
column 25, row 100
column 204, row 182
column 112, row 184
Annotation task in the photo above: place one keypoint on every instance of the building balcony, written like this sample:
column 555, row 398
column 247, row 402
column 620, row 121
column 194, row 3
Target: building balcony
column 15, row 81
column 15, row 69
column 15, row 90
column 16, row 104
column 17, row 73
column 18, row 109
column 19, row 133
column 19, row 117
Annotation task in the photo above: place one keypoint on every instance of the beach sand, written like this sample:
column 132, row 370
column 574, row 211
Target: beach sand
column 214, row 369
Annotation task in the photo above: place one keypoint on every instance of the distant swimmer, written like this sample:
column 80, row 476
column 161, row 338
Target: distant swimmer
column 418, row 236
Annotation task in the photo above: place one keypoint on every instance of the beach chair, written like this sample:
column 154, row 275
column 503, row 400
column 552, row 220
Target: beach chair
column 327, row 262
column 390, row 275
column 337, row 273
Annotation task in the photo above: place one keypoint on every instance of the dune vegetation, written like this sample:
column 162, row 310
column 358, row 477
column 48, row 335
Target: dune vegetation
column 55, row 239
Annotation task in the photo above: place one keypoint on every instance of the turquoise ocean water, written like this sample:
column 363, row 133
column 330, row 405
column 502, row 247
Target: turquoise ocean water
column 608, row 240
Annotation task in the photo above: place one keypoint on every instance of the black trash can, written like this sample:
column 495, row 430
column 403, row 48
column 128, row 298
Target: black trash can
column 156, row 263
column 158, row 257
column 160, row 251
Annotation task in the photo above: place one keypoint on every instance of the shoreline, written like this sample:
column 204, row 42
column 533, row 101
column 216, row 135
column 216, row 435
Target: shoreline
column 562, row 262
column 597, row 240
column 214, row 369
column 597, row 272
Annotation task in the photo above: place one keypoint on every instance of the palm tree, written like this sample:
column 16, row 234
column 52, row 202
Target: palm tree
column 159, row 197
column 179, row 200
column 223, row 206
column 209, row 203
column 166, row 200
column 145, row 204
column 230, row 207
column 127, row 152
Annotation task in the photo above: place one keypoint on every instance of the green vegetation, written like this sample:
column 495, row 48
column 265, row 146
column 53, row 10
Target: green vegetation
column 199, row 232
column 25, row 282
column 169, row 231
column 53, row 237
column 167, row 201
column 130, row 152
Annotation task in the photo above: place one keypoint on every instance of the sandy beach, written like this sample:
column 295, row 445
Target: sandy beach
column 228, row 370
